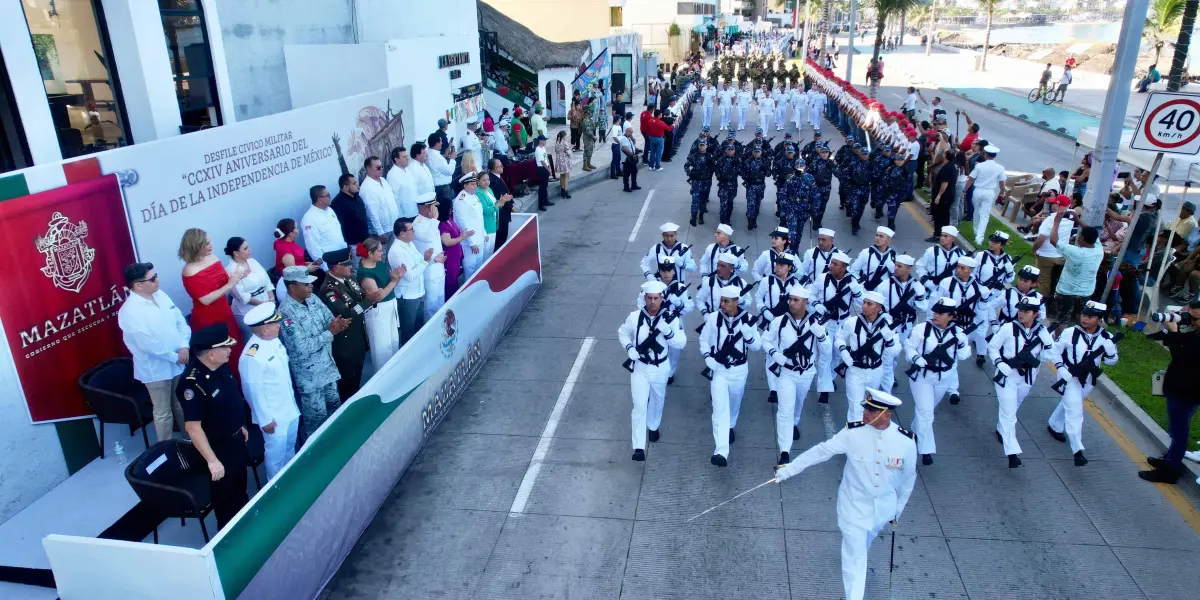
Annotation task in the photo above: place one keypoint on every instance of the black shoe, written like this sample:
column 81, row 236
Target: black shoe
column 637, row 187
column 795, row 432
column 639, row 455
column 654, row 435
column 1014, row 461
column 627, row 190
column 731, row 436
column 927, row 459
column 1157, row 462
column 823, row 398
column 1158, row 475
column 1080, row 460
column 999, row 438
column 613, row 177
column 773, row 398
column 718, row 460
column 542, row 208
column 784, row 458
column 692, row 221
column 549, row 203
column 854, row 230
column 979, row 361
column 753, row 224
column 701, row 219
column 955, row 399
column 670, row 380
column 566, row 194
column 891, row 223
column 1062, row 437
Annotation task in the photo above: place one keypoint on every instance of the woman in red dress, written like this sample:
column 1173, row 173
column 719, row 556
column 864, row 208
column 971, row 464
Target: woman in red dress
column 208, row 284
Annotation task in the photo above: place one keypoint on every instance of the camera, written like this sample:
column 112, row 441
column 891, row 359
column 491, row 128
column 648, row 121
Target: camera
column 1123, row 175
column 1182, row 318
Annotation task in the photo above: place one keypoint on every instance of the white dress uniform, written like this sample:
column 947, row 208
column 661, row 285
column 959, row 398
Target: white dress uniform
column 876, row 483
column 708, row 294
column 726, row 95
column 380, row 201
column 267, row 386
column 933, row 377
column 1084, row 351
column 816, row 106
column 677, row 301
column 646, row 339
column 799, row 106
column 425, row 236
column 743, row 107
column 902, row 300
column 770, row 301
column 764, row 265
column 322, row 232
column 872, row 267
column 766, row 110
column 708, row 260
column 834, row 299
column 1018, row 353
column 993, row 271
column 973, row 300
column 781, row 106
column 1003, row 307
column 725, row 343
column 468, row 214
column 937, row 263
column 863, row 346
column 794, row 348
column 471, row 143
column 815, row 262
column 680, row 253
column 708, row 98
column 988, row 176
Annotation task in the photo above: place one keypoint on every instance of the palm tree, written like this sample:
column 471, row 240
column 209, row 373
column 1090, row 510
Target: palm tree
column 990, row 5
column 883, row 10
column 1175, row 78
column 1162, row 24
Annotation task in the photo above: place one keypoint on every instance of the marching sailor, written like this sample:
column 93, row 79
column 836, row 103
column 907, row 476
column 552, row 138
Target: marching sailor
column 1018, row 349
column 816, row 259
column 771, row 299
column 1077, row 355
column 834, row 297
column 903, row 296
column 938, row 261
column 933, row 352
column 764, row 265
column 995, row 265
column 971, row 315
column 675, row 301
column 875, row 264
column 877, row 481
column 646, row 335
column 1005, row 303
column 672, row 247
column 794, row 342
column 862, row 342
column 722, row 245
column 708, row 294
column 727, row 337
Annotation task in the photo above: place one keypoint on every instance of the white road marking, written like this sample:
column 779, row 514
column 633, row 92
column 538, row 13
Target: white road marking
column 543, row 447
column 641, row 216
column 827, row 421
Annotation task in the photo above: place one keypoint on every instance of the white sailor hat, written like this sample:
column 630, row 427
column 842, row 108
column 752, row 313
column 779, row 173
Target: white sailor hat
column 1095, row 309
column 841, row 257
column 906, row 260
column 825, row 231
column 950, row 230
column 731, row 291
column 668, row 227
column 944, row 305
column 426, row 198
column 990, row 149
column 654, row 287
column 1029, row 303
column 468, row 177
column 967, row 261
column 999, row 236
column 727, row 258
column 885, row 231
column 1029, row 272
column 875, row 297
column 779, row 232
column 799, row 291
column 667, row 260
column 880, row 400
column 262, row 314
column 786, row 258
column 725, row 229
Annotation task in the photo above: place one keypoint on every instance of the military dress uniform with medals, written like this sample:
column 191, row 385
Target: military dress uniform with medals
column 346, row 298
column 214, row 398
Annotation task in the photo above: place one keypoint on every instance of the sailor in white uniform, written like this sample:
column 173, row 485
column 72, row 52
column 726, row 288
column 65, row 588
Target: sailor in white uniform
column 765, row 263
column 863, row 342
column 267, row 386
column 816, row 260
column 766, row 109
column 426, row 235
column 771, row 300
column 708, row 97
column 743, row 105
column 646, row 335
column 835, row 296
column 1017, row 350
column 995, row 265
column 972, row 314
column 722, row 245
column 816, row 106
column 794, row 343
column 903, row 297
column 877, row 481
column 726, row 97
column 937, row 263
column 675, row 300
column 1004, row 305
column 876, row 263
column 933, row 351
column 726, row 339
column 708, row 294
column 1077, row 356
column 670, row 246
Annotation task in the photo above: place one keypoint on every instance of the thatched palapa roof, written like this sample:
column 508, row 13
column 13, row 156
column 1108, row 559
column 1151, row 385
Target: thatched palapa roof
column 525, row 46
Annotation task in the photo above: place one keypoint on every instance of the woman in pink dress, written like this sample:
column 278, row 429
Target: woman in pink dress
column 452, row 239
column 208, row 284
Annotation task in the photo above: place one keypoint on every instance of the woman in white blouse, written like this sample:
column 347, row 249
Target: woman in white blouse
column 254, row 288
column 468, row 215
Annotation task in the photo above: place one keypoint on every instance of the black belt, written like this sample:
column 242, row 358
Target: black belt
column 653, row 363
column 731, row 363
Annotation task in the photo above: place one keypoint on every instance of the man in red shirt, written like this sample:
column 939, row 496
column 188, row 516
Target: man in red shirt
column 653, row 129
column 646, row 116
column 972, row 134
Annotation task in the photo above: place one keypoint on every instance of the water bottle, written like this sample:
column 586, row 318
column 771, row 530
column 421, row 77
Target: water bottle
column 119, row 450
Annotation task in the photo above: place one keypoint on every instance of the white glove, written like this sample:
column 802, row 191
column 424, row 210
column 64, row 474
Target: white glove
column 747, row 331
column 780, row 474
column 778, row 358
column 817, row 329
column 846, row 358
column 632, row 354
column 711, row 363
column 1061, row 372
column 920, row 362
column 1004, row 369
column 818, row 308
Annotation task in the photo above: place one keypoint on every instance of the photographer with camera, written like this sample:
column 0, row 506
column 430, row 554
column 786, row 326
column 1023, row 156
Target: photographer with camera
column 1183, row 397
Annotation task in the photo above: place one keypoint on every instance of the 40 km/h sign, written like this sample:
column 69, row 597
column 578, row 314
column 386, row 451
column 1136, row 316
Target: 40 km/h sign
column 1170, row 124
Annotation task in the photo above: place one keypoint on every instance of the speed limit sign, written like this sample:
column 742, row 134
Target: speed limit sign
column 1170, row 124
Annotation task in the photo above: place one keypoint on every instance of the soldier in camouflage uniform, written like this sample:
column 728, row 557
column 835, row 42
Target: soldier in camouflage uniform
column 821, row 170
column 588, row 125
column 345, row 298
column 308, row 331
column 727, row 173
column 754, row 171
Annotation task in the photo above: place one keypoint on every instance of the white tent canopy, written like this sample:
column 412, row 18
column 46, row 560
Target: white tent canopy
column 1174, row 168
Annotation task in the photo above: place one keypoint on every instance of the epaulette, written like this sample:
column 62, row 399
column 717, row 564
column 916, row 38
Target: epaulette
column 908, row 434
column 252, row 350
column 191, row 374
column 853, row 424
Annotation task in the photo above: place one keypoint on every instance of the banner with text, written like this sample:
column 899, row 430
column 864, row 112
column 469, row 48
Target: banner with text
column 65, row 251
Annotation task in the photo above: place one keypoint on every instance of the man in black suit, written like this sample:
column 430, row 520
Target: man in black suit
column 499, row 188
column 350, row 210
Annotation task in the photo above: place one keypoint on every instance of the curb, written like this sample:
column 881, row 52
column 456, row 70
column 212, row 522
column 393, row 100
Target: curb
column 1047, row 129
column 528, row 202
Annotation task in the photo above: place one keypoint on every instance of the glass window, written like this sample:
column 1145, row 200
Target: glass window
column 615, row 16
column 14, row 151
column 191, row 63
column 72, row 49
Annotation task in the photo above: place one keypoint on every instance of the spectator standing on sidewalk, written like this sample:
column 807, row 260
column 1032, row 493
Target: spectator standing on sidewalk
column 1183, row 396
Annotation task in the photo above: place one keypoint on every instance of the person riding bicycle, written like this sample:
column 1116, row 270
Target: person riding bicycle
column 1044, row 84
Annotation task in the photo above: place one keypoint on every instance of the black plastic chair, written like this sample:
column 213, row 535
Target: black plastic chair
column 116, row 397
column 172, row 479
column 256, row 451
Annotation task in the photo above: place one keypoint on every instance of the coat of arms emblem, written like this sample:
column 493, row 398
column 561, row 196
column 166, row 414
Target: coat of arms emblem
column 68, row 259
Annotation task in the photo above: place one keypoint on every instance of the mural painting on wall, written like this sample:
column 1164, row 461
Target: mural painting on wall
column 375, row 133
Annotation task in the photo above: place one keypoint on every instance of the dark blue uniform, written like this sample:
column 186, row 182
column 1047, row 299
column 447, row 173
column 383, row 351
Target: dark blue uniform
column 699, row 169
column 858, row 176
column 880, row 161
column 214, row 398
column 802, row 194
column 821, row 170
column 841, row 160
column 726, row 171
column 895, row 186
column 782, row 170
column 754, row 171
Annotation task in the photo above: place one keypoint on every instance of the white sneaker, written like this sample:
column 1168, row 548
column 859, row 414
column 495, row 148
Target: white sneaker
column 1193, row 455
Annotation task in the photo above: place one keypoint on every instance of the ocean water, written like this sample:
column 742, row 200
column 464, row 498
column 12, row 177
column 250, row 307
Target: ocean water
column 1056, row 33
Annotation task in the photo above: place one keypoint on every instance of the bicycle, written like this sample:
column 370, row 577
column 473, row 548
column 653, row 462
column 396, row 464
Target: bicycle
column 1042, row 92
